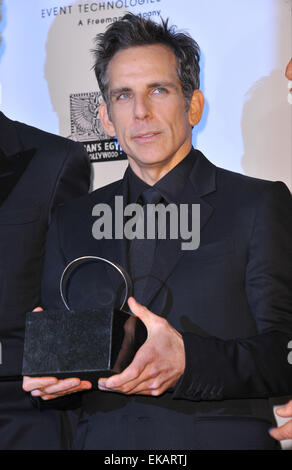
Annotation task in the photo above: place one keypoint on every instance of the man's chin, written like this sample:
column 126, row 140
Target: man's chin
column 147, row 160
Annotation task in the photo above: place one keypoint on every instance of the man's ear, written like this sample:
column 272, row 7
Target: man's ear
column 196, row 107
column 105, row 120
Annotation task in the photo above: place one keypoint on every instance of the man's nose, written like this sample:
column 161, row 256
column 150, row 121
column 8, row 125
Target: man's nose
column 142, row 109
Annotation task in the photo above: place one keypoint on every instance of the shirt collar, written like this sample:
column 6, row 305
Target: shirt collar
column 136, row 186
column 173, row 183
column 170, row 186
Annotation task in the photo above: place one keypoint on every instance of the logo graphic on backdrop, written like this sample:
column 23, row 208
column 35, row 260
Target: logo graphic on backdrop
column 86, row 128
column 115, row 9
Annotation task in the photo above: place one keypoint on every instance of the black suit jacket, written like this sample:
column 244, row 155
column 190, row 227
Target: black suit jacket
column 230, row 298
column 38, row 171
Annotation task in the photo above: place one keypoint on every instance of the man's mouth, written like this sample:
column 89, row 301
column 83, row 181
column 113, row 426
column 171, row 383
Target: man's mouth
column 146, row 136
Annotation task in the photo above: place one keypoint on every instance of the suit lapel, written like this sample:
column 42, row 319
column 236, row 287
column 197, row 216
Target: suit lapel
column 169, row 252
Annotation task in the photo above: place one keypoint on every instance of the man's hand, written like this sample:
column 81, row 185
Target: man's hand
column 50, row 387
column 157, row 365
column 285, row 431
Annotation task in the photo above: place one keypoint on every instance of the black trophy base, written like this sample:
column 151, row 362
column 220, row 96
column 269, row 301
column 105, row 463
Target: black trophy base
column 88, row 344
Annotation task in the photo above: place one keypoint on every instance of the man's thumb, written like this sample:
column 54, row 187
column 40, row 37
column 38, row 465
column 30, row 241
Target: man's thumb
column 138, row 310
column 38, row 309
column 285, row 411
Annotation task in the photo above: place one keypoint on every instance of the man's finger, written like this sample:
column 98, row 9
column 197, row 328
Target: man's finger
column 48, row 396
column 153, row 386
column 150, row 378
column 285, row 411
column 140, row 311
column 282, row 432
column 62, row 386
column 67, row 385
column 38, row 309
column 124, row 387
column 139, row 362
column 33, row 383
column 130, row 374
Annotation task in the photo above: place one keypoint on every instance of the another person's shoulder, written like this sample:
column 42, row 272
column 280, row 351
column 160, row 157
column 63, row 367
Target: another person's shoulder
column 26, row 137
column 54, row 155
column 34, row 136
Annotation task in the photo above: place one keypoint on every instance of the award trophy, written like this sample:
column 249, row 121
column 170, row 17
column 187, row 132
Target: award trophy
column 87, row 344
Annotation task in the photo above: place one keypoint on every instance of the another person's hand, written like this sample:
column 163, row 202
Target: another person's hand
column 288, row 71
column 157, row 365
column 50, row 387
column 284, row 431
column 288, row 74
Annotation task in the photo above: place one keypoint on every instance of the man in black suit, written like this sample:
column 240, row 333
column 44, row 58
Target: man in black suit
column 38, row 171
column 217, row 342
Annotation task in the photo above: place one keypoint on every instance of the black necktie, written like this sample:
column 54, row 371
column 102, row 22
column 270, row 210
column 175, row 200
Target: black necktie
column 142, row 250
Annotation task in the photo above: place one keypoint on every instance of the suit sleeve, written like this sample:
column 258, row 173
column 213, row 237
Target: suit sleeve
column 73, row 178
column 255, row 367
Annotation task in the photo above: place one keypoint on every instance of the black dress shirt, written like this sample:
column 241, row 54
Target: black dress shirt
column 170, row 185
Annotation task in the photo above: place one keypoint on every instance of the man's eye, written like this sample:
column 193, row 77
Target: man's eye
column 123, row 96
column 159, row 91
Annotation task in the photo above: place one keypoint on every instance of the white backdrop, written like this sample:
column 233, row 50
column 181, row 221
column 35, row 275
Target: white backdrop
column 46, row 78
column 246, row 44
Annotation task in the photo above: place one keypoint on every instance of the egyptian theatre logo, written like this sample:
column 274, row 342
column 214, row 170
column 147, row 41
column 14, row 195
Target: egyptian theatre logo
column 86, row 128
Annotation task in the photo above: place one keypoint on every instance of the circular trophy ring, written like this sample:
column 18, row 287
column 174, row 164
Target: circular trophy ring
column 85, row 259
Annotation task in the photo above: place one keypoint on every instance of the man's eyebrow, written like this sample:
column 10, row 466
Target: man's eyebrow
column 163, row 84
column 117, row 91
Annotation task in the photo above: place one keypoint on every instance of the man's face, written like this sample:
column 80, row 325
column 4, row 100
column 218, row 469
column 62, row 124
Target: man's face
column 147, row 107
